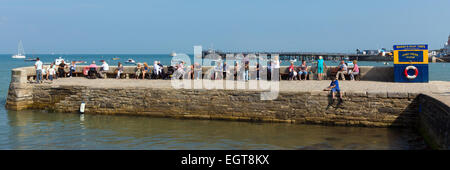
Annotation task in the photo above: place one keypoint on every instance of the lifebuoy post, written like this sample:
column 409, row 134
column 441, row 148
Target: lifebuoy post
column 411, row 63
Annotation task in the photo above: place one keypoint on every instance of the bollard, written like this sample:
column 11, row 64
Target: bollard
column 82, row 107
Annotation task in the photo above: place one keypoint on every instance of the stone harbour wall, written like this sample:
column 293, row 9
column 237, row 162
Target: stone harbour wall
column 434, row 121
column 316, row 107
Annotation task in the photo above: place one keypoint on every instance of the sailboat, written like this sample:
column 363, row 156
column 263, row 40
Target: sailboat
column 20, row 51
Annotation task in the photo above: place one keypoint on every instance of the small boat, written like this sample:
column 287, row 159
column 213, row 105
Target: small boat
column 59, row 60
column 20, row 51
column 130, row 61
column 173, row 54
column 115, row 58
column 76, row 62
column 31, row 59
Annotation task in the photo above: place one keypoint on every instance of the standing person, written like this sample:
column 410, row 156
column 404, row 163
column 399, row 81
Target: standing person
column 276, row 68
column 218, row 70
column 320, row 67
column 269, row 70
column 51, row 72
column 334, row 87
column 246, row 71
column 198, row 71
column 354, row 71
column 257, row 71
column 342, row 70
column 61, row 68
column 119, row 70
column 38, row 67
column 225, row 70
column 236, row 70
column 303, row 70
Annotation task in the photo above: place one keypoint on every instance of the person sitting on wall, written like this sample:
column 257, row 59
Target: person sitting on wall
column 61, row 68
column 355, row 71
column 156, row 73
column 180, row 70
column 56, row 69
column 334, row 87
column 51, row 72
column 103, row 69
column 342, row 70
column 303, row 70
column 92, row 71
column 72, row 68
column 292, row 72
column 145, row 70
column 44, row 73
column 191, row 71
column 138, row 70
column 119, row 70
column 161, row 70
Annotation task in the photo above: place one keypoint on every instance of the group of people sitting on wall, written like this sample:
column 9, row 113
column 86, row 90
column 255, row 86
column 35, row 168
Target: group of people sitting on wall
column 141, row 71
column 54, row 71
column 341, row 70
column 240, row 71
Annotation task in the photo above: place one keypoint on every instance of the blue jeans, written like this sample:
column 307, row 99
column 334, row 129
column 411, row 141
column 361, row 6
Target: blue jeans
column 300, row 73
column 50, row 77
column 38, row 76
column 198, row 75
column 246, row 75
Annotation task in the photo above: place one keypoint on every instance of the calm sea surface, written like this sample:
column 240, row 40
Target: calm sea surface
column 42, row 130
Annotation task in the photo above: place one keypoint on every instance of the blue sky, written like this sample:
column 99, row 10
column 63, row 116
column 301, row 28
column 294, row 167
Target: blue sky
column 107, row 26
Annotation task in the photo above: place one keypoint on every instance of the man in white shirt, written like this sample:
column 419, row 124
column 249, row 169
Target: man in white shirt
column 104, row 69
column 38, row 67
column 156, row 69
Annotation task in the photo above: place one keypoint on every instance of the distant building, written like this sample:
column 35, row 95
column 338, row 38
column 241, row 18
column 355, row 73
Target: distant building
column 447, row 46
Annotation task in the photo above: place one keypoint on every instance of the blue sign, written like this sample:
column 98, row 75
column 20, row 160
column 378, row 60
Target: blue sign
column 410, row 56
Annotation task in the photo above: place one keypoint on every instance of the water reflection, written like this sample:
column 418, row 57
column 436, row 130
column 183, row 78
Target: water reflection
column 42, row 130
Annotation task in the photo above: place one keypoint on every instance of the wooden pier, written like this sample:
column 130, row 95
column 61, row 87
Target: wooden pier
column 304, row 55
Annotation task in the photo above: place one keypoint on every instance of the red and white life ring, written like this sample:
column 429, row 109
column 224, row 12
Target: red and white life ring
column 413, row 76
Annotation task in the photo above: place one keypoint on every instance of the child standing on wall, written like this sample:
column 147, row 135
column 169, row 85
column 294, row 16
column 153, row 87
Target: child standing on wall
column 334, row 87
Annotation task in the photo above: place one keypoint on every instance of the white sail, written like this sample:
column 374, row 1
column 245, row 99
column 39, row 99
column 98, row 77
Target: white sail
column 20, row 51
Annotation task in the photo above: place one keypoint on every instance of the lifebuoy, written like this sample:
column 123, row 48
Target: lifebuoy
column 413, row 76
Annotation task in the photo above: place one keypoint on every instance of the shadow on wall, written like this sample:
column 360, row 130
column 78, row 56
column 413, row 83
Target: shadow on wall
column 434, row 121
column 377, row 73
